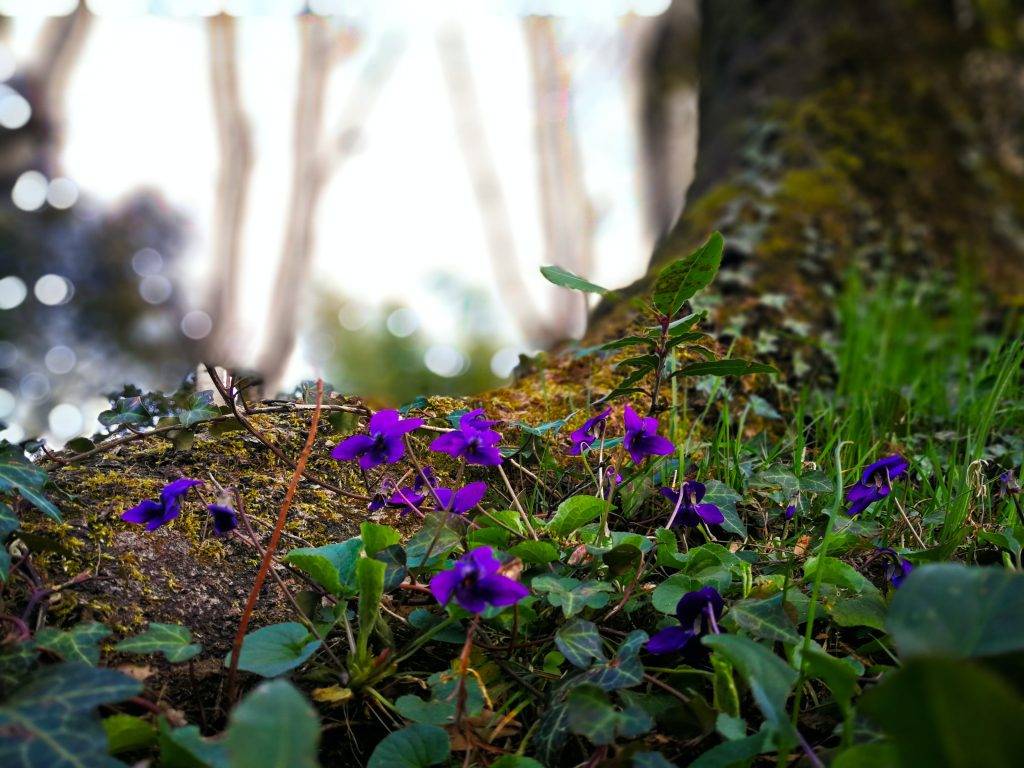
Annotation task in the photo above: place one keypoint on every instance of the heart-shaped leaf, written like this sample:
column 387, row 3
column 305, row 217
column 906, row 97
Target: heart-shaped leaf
column 273, row 727
column 172, row 640
column 272, row 651
column 415, row 746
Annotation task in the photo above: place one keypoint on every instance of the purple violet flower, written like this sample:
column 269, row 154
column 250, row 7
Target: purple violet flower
column 472, row 441
column 225, row 519
column 461, row 501
column 791, row 509
column 698, row 613
column 383, row 444
column 688, row 511
column 587, row 434
column 897, row 567
column 875, row 483
column 153, row 514
column 406, row 499
column 1008, row 484
column 610, row 477
column 475, row 583
column 642, row 438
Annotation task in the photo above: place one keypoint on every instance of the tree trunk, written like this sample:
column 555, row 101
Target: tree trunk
column 882, row 133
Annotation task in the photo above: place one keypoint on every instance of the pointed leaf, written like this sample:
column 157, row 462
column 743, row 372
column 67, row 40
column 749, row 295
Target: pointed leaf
column 567, row 279
column 680, row 280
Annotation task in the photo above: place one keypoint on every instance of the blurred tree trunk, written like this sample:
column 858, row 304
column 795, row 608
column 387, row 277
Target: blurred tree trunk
column 881, row 133
column 567, row 218
column 234, row 144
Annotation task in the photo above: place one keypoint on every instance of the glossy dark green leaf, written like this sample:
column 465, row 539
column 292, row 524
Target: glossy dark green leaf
column 185, row 747
column 127, row 733
column 765, row 619
column 197, row 407
column 629, row 341
column 273, row 727
column 725, row 498
column 377, row 537
column 731, row 367
column 18, row 474
column 126, row 410
column 370, row 576
column 415, row 746
column 573, row 595
column 591, row 714
column 680, row 280
column 535, row 552
column 729, row 754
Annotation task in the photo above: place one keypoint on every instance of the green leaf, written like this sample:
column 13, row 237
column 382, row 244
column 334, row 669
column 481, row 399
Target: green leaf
column 19, row 474
column 591, row 714
column 127, row 733
column 731, row 367
column 50, row 723
column 734, row 753
column 515, row 761
column 331, row 566
column 835, row 571
column 666, row 595
column 629, row 341
column 765, row 619
column 574, row 513
column 867, row 610
column 172, row 640
column 945, row 712
column 186, row 748
column 580, row 642
column 769, row 678
column 80, row 643
column 415, row 746
column 840, row 675
column 440, row 710
column 624, row 670
column 680, row 280
column 272, row 651
column 435, row 539
column 552, row 733
column 538, row 552
column 878, row 754
column 273, row 727
column 725, row 498
column 8, row 524
column 572, row 595
column 953, row 610
column 126, row 410
column 377, row 537
column 370, row 578
column 776, row 477
column 621, row 558
column 198, row 407
column 566, row 279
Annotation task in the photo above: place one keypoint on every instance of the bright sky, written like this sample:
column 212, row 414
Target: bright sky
column 139, row 115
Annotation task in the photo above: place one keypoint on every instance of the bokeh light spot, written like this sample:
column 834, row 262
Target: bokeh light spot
column 60, row 360
column 12, row 292
column 65, row 421
column 403, row 322
column 7, row 403
column 504, row 361
column 155, row 289
column 445, row 360
column 34, row 387
column 62, row 193
column 147, row 262
column 196, row 324
column 52, row 290
column 29, row 192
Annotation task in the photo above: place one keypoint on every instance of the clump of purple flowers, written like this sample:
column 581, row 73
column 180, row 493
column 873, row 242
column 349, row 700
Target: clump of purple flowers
column 698, row 613
column 474, row 441
column 384, row 443
column 875, row 483
column 476, row 583
column 687, row 508
column 154, row 514
column 591, row 430
column 642, row 438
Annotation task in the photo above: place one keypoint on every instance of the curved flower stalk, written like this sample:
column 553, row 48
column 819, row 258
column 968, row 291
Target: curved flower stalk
column 383, row 444
column 688, row 510
column 154, row 514
column 875, row 483
column 698, row 613
column 476, row 583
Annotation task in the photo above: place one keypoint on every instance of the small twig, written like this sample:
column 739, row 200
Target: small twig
column 275, row 537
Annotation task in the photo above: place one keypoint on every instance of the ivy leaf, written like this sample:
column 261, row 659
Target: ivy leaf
column 725, row 498
column 8, row 524
column 126, row 410
column 272, row 651
column 331, row 566
column 566, row 279
column 777, row 477
column 440, row 710
column 172, row 640
column 591, row 714
column 730, row 367
column 624, row 670
column 273, row 727
column 50, row 723
column 198, row 407
column 415, row 746
column 731, row 753
column 552, row 733
column 680, row 280
column 765, row 619
column 186, row 748
column 377, row 537
column 574, row 513
column 80, row 643
column 572, row 595
column 19, row 474
column 435, row 538
column 580, row 642
column 953, row 610
column 769, row 678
